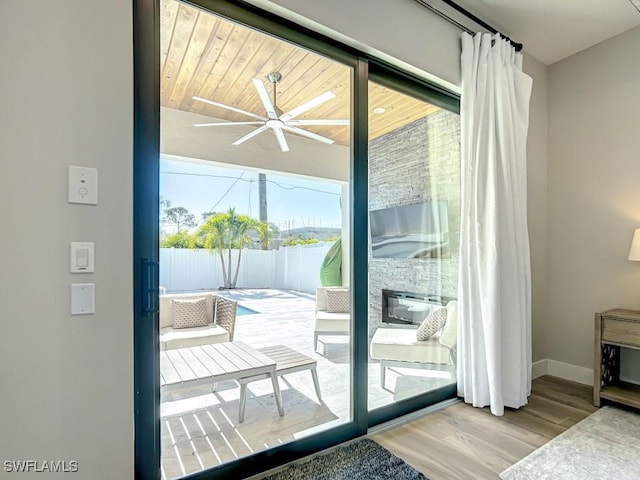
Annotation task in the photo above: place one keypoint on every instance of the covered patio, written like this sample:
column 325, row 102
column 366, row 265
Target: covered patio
column 200, row 428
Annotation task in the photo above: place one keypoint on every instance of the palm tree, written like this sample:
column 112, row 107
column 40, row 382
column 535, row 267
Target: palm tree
column 242, row 226
column 229, row 231
column 212, row 235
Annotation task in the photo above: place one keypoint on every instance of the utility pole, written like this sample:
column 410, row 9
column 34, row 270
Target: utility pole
column 262, row 195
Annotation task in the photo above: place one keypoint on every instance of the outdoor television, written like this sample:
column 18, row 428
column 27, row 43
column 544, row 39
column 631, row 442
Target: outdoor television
column 419, row 230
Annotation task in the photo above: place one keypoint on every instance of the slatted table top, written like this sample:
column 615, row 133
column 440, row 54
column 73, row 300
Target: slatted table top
column 288, row 360
column 216, row 362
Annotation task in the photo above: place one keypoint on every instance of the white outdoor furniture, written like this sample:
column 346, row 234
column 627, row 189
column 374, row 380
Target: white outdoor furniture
column 221, row 316
column 289, row 361
column 186, row 367
column 328, row 323
column 399, row 346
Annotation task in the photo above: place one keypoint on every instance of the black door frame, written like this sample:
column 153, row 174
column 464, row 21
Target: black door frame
column 146, row 175
column 146, row 37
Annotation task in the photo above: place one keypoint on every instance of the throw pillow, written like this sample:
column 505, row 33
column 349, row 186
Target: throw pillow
column 432, row 324
column 338, row 300
column 189, row 313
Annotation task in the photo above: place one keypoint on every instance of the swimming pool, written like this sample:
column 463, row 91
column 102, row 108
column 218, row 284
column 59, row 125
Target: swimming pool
column 244, row 310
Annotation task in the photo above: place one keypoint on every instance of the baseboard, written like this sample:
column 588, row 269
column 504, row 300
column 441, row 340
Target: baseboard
column 570, row 372
column 563, row 370
column 539, row 368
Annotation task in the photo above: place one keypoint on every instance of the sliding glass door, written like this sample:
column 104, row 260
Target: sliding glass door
column 414, row 224
column 255, row 167
column 281, row 177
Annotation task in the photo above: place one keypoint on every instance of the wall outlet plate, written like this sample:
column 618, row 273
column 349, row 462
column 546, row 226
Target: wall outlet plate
column 83, row 297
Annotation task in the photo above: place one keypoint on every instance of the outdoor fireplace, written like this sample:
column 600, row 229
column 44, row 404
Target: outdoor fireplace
column 407, row 307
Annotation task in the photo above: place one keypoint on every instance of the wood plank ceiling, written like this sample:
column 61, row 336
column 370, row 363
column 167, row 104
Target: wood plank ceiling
column 206, row 56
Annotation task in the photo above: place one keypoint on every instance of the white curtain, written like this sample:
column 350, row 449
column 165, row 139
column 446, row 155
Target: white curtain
column 494, row 290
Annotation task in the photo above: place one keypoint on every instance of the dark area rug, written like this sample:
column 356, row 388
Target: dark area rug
column 360, row 460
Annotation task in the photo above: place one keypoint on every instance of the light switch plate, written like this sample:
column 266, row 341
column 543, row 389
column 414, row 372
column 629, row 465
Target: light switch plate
column 83, row 185
column 81, row 257
column 83, row 298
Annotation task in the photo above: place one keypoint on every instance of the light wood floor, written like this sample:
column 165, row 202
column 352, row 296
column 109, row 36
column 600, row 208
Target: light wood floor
column 462, row 442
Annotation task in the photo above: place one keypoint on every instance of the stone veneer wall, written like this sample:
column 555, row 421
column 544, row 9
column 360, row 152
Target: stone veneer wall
column 416, row 163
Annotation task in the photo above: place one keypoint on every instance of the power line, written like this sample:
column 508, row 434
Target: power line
column 225, row 193
column 280, row 185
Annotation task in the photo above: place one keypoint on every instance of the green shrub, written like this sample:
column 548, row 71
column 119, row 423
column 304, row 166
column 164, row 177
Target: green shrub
column 299, row 240
column 179, row 240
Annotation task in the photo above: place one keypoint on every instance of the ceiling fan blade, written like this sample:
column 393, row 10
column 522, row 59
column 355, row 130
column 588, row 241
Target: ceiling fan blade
column 225, row 124
column 251, row 134
column 314, row 102
column 306, row 133
column 264, row 96
column 281, row 140
column 318, row 122
column 228, row 107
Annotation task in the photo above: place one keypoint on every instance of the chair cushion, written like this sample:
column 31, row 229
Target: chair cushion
column 166, row 310
column 432, row 324
column 333, row 316
column 189, row 313
column 400, row 344
column 338, row 300
column 192, row 337
column 449, row 334
column 332, row 322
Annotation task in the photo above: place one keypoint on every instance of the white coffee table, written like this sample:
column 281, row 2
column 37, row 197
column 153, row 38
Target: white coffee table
column 290, row 360
column 186, row 367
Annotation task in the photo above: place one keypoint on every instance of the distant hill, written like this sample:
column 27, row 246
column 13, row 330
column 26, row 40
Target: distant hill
column 321, row 233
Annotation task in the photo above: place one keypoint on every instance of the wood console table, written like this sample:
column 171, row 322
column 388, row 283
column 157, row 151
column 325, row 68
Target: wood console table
column 614, row 329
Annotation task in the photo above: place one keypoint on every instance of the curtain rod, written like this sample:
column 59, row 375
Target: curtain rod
column 470, row 16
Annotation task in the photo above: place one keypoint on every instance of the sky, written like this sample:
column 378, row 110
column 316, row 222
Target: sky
column 292, row 202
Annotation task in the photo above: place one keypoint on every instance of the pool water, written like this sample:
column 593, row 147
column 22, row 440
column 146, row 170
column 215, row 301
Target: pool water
column 245, row 311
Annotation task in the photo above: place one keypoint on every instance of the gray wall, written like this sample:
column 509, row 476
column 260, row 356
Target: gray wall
column 537, row 181
column 66, row 96
column 594, row 198
column 416, row 163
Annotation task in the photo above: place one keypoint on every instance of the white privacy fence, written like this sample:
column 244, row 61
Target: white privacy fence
column 290, row 268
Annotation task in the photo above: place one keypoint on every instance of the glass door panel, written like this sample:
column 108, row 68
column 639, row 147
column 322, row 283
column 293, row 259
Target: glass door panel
column 254, row 254
column 414, row 218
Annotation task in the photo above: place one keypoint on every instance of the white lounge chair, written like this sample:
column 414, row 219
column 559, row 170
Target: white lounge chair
column 328, row 323
column 398, row 347
column 221, row 319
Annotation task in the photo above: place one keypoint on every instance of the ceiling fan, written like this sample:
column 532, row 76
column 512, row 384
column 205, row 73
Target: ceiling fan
column 276, row 120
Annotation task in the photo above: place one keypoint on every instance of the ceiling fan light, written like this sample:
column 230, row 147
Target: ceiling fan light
column 274, row 123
